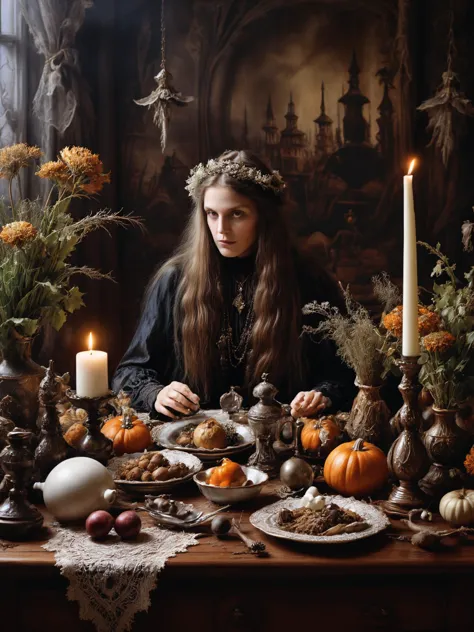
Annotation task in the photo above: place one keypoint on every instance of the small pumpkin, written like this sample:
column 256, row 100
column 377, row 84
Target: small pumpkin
column 320, row 436
column 457, row 507
column 74, row 434
column 356, row 468
column 128, row 433
column 229, row 474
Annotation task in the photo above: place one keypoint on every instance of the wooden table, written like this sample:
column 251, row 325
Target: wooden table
column 374, row 584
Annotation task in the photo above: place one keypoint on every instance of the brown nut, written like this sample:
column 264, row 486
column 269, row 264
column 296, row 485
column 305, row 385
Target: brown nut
column 134, row 475
column 160, row 474
column 157, row 459
column 146, row 476
column 175, row 471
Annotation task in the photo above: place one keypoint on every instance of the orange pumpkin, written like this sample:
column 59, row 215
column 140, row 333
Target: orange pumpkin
column 128, row 433
column 320, row 436
column 356, row 468
column 229, row 474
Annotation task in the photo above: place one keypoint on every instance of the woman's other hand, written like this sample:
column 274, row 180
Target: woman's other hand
column 308, row 403
column 178, row 397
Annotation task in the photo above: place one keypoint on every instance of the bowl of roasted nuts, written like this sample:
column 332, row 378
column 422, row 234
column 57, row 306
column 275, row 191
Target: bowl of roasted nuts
column 153, row 472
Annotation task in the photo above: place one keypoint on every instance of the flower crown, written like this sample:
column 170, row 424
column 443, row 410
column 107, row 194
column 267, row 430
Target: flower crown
column 236, row 170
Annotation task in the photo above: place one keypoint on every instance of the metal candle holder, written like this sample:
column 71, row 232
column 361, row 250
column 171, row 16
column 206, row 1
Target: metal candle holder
column 93, row 444
column 407, row 459
column 18, row 518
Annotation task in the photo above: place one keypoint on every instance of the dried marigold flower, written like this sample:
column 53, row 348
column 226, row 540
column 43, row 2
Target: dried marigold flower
column 95, row 184
column 438, row 341
column 428, row 321
column 469, row 462
column 18, row 233
column 81, row 161
column 15, row 157
column 55, row 170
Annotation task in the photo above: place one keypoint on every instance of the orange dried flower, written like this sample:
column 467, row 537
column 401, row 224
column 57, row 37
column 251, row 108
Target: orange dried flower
column 81, row 161
column 438, row 341
column 55, row 170
column 96, row 184
column 15, row 157
column 18, row 233
column 428, row 321
column 469, row 462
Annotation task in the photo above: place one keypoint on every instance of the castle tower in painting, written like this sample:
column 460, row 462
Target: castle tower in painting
column 293, row 145
column 272, row 136
column 324, row 144
column 354, row 124
column 385, row 135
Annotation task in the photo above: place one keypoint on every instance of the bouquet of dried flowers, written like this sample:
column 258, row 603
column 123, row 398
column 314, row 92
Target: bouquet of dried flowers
column 362, row 344
column 447, row 354
column 37, row 240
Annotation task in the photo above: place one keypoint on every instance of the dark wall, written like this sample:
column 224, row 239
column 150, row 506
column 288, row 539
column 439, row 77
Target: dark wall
column 345, row 185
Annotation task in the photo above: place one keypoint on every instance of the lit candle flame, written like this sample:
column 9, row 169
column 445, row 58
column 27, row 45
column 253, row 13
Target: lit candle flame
column 411, row 167
column 91, row 342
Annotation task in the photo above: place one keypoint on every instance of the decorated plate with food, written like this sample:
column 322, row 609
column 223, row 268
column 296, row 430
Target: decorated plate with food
column 211, row 437
column 320, row 520
column 153, row 472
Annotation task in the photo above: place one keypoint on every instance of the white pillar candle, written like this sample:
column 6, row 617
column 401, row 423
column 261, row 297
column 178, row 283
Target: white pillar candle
column 410, row 344
column 91, row 372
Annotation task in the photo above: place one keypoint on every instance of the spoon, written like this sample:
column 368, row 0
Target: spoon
column 221, row 525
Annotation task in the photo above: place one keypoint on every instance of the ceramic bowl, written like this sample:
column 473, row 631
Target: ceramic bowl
column 230, row 495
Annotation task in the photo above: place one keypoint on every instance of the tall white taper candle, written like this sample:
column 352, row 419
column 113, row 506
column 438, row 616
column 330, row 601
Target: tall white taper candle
column 410, row 344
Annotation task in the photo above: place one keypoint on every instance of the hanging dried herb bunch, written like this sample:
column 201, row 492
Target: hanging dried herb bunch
column 447, row 107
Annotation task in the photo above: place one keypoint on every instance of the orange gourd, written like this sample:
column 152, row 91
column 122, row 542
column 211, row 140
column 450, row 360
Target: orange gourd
column 356, row 468
column 320, row 436
column 229, row 474
column 128, row 433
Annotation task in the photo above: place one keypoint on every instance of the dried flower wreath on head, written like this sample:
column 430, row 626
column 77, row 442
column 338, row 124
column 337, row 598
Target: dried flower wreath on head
column 239, row 171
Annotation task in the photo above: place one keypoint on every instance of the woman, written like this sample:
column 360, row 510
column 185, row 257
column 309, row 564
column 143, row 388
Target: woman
column 226, row 308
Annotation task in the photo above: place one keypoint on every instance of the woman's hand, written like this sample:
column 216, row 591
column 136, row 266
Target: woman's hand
column 308, row 403
column 177, row 396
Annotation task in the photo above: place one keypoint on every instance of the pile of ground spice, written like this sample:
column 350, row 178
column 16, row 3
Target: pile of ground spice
column 309, row 522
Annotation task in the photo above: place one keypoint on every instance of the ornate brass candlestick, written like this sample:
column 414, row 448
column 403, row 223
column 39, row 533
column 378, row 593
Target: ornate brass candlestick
column 407, row 459
column 94, row 444
column 18, row 518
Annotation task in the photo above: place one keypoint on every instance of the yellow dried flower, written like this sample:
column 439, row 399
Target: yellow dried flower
column 54, row 170
column 81, row 161
column 18, row 233
column 438, row 341
column 15, row 157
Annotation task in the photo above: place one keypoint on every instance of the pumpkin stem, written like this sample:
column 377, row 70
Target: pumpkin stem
column 358, row 445
column 127, row 417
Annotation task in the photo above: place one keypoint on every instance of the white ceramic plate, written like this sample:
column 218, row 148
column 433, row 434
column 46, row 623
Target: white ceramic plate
column 167, row 434
column 154, row 487
column 265, row 520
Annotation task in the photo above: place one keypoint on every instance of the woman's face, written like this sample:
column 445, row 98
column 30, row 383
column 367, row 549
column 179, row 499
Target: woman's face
column 232, row 220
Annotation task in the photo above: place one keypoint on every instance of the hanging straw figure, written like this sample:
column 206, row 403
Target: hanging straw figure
column 446, row 105
column 165, row 95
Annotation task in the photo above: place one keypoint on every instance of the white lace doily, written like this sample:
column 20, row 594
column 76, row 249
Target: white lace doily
column 112, row 579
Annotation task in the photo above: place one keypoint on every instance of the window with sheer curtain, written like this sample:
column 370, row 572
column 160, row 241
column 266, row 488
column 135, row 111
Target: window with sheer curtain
column 12, row 76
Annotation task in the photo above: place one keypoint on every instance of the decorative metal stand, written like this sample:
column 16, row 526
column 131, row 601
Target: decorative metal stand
column 94, row 444
column 18, row 518
column 263, row 419
column 231, row 402
column 52, row 448
column 407, row 458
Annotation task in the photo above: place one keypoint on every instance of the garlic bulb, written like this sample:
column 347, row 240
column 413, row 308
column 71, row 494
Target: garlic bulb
column 315, row 503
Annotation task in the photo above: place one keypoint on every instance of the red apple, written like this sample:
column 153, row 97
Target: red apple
column 98, row 524
column 128, row 525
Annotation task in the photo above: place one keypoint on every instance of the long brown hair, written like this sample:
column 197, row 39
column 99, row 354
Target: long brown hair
column 275, row 343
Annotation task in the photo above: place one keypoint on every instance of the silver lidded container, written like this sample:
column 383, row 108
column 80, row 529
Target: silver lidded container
column 263, row 419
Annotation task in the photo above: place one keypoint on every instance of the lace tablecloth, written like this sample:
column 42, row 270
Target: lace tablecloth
column 112, row 579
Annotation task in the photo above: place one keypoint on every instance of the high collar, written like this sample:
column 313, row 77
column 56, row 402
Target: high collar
column 238, row 266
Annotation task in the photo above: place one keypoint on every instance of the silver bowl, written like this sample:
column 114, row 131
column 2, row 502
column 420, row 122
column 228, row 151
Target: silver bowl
column 230, row 495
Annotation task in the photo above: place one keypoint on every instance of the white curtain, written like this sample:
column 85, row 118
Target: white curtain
column 62, row 99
